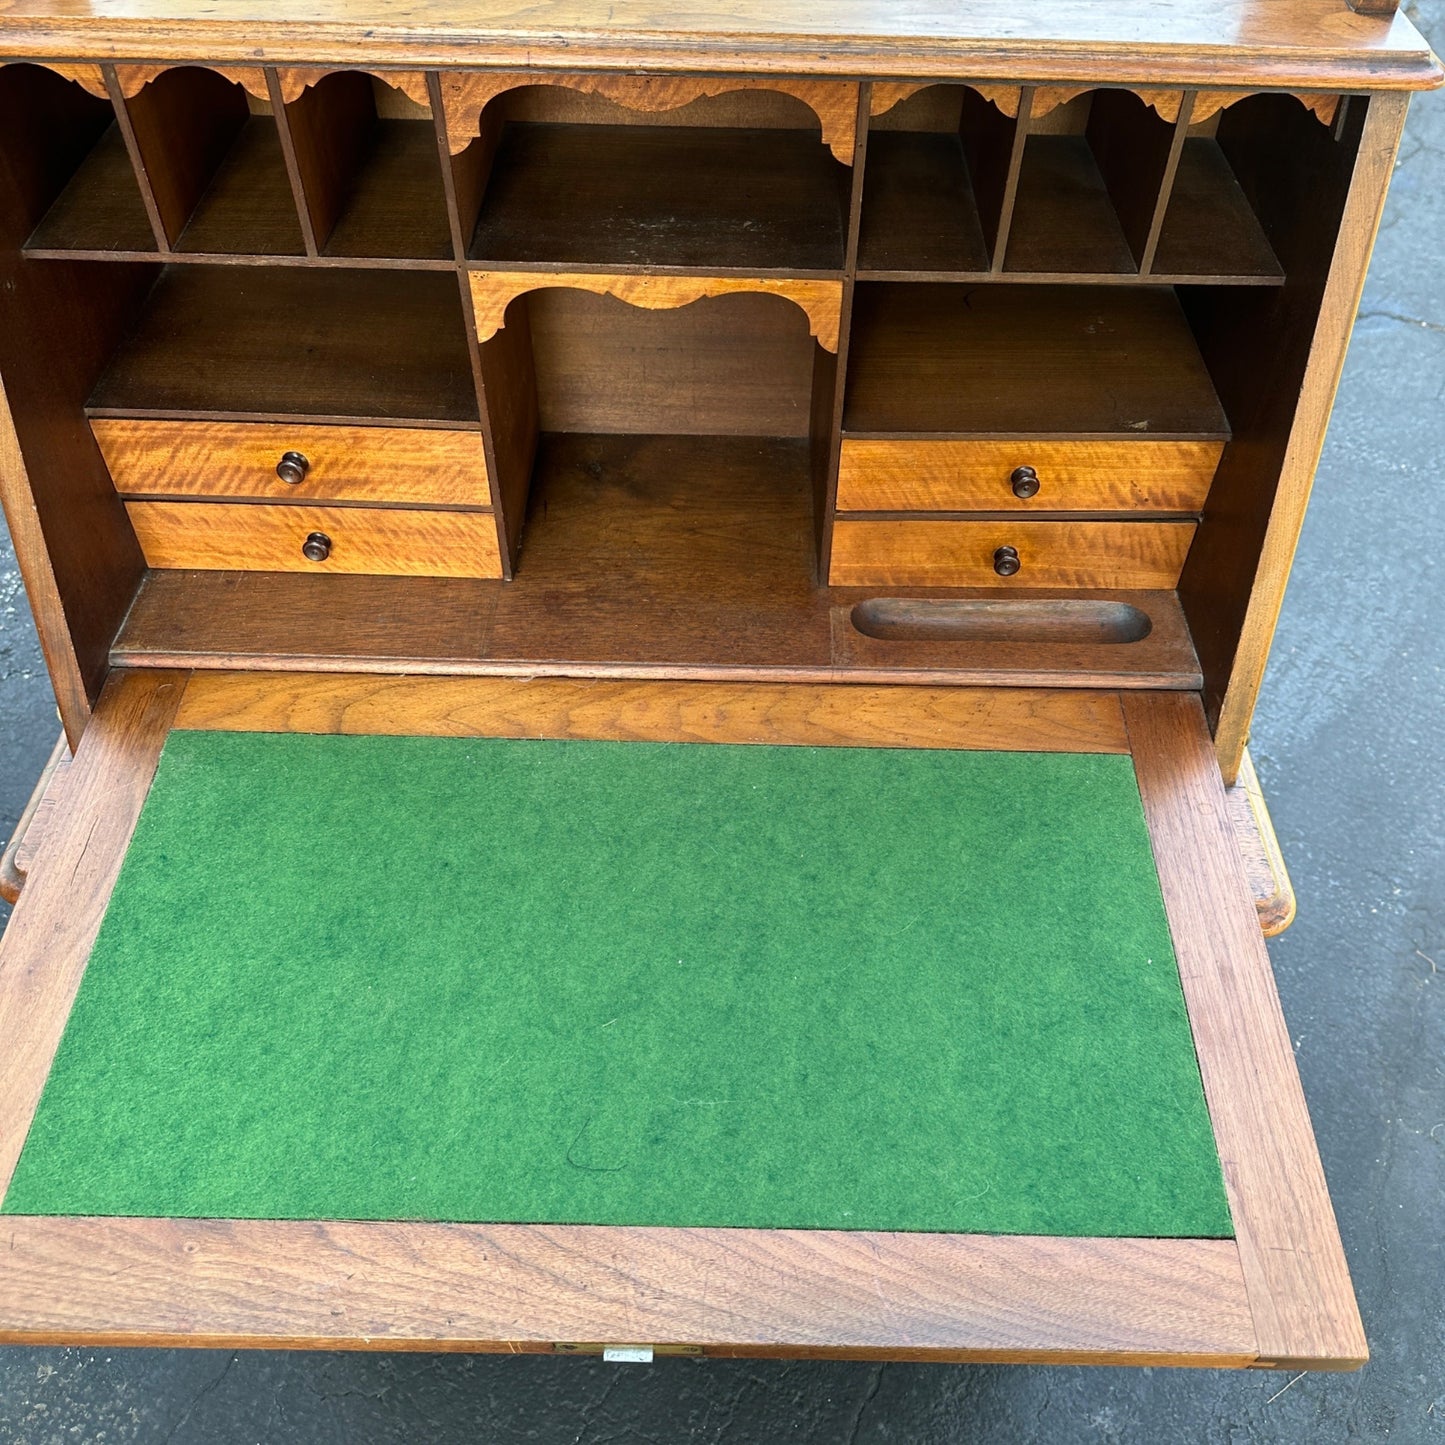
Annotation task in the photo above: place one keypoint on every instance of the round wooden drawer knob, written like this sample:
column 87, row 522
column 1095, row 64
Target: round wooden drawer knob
column 317, row 547
column 1024, row 482
column 1006, row 561
column 292, row 468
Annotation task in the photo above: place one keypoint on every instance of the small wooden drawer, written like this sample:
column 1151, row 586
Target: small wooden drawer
column 410, row 465
column 932, row 553
column 994, row 476
column 248, row 537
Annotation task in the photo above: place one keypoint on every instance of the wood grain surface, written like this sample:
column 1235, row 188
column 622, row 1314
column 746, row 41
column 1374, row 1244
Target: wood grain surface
column 19, row 853
column 493, row 291
column 528, row 1288
column 265, row 538
column 466, row 94
column 932, row 553
column 413, row 465
column 1300, row 1294
column 1343, row 288
column 1281, row 43
column 632, row 711
column 1264, row 865
column 47, row 941
column 966, row 476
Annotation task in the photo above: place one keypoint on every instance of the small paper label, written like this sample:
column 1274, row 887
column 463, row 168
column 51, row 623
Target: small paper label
column 628, row 1354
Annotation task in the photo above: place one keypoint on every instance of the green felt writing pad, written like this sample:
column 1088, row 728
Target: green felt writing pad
column 632, row 983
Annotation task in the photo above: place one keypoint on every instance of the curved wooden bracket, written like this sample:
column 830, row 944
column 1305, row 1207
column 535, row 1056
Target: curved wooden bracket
column 466, row 94
column 411, row 83
column 86, row 76
column 885, row 94
column 494, row 291
column 1322, row 106
column 134, row 78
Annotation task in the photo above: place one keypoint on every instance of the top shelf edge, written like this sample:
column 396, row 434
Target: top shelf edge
column 1314, row 44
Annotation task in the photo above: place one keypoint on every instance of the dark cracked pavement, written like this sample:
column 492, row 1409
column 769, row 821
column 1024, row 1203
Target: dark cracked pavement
column 1350, row 742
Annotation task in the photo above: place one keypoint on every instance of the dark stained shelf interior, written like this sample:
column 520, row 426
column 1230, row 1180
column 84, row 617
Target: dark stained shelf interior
column 1026, row 360
column 289, row 341
column 1063, row 220
column 919, row 212
column 1209, row 228
column 248, row 208
column 760, row 200
column 396, row 207
column 100, row 208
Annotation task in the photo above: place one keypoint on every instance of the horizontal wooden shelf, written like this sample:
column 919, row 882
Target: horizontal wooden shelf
column 663, row 196
column 645, row 555
column 234, row 341
column 1026, row 361
column 101, row 208
column 1209, row 228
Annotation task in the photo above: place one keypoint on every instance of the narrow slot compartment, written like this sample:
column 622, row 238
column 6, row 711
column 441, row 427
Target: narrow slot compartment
column 1088, row 185
column 1034, row 360
column 241, row 341
column 68, row 146
column 1022, row 620
column 760, row 193
column 1212, row 228
column 935, row 186
column 212, row 154
column 366, row 154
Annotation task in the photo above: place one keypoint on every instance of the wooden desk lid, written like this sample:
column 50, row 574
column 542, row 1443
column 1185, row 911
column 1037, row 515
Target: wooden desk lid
column 1284, row 44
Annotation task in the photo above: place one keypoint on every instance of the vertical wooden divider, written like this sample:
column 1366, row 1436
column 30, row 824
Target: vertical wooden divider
column 1009, row 193
column 508, row 472
column 830, row 369
column 1166, row 184
column 293, row 169
column 1136, row 150
column 137, row 161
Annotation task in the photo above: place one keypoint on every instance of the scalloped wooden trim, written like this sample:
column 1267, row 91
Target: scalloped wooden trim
column 494, row 291
column 466, row 94
column 411, row 83
column 88, row 77
column 1322, row 105
column 888, row 93
column 134, row 78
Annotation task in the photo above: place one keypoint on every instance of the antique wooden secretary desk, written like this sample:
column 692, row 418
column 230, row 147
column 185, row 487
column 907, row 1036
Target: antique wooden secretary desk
column 657, row 613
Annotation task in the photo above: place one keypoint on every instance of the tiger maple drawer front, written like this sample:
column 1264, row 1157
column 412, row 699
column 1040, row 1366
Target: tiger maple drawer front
column 284, row 462
column 933, row 553
column 1044, row 476
column 253, row 538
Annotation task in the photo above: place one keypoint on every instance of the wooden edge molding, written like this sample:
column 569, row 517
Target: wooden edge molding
column 466, row 94
column 16, row 860
column 517, row 1288
column 47, row 942
column 134, row 78
column 494, row 291
column 411, row 83
column 1269, row 882
column 1300, row 1295
column 813, row 714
